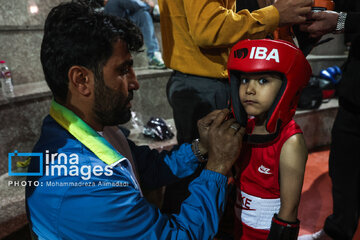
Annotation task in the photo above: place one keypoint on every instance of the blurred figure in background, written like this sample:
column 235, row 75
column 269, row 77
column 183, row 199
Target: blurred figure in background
column 344, row 160
column 138, row 11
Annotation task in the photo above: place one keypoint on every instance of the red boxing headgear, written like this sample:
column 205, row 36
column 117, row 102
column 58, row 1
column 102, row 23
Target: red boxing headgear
column 263, row 56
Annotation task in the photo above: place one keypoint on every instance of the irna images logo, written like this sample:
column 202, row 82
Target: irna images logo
column 15, row 154
column 59, row 164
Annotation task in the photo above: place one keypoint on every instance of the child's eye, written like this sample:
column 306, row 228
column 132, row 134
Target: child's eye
column 262, row 81
column 244, row 80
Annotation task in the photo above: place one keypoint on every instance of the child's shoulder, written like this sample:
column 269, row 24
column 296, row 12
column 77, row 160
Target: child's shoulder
column 290, row 129
column 292, row 137
column 294, row 150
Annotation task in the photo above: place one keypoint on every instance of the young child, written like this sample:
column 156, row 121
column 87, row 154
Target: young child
column 266, row 78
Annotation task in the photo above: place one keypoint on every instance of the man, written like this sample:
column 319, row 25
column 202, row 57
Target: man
column 344, row 164
column 91, row 188
column 197, row 37
column 138, row 11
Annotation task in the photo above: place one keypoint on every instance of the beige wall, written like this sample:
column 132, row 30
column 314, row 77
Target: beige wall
column 20, row 37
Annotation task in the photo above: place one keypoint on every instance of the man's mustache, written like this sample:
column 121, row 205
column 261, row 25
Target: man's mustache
column 130, row 96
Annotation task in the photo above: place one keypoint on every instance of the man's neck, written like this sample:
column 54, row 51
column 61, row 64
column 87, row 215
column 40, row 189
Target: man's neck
column 86, row 116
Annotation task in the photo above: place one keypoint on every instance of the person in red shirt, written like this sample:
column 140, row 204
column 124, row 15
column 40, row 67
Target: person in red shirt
column 266, row 78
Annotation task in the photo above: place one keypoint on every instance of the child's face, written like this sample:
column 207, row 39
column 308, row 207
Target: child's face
column 258, row 91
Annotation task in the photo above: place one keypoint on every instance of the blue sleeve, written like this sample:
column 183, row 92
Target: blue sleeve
column 121, row 213
column 159, row 169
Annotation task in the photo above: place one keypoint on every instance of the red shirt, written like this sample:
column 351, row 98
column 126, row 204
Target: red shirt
column 258, row 172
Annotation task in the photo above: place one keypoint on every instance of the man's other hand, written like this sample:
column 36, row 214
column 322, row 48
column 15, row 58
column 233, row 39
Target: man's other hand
column 292, row 11
column 320, row 23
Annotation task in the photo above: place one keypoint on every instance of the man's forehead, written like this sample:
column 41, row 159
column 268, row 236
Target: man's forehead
column 120, row 53
column 120, row 47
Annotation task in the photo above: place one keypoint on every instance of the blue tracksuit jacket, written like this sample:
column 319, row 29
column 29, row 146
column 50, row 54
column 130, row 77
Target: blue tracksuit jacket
column 80, row 205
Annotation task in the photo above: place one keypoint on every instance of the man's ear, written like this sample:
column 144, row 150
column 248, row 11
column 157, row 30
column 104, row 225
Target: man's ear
column 81, row 80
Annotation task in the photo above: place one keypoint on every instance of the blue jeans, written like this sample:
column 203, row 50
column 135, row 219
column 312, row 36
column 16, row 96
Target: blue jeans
column 138, row 12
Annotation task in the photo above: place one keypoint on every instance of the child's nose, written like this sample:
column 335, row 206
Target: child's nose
column 250, row 89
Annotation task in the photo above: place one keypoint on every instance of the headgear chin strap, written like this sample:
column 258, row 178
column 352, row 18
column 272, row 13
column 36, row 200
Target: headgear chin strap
column 265, row 56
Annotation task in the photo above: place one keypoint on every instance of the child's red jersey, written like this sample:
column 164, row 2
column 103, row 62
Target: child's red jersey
column 258, row 190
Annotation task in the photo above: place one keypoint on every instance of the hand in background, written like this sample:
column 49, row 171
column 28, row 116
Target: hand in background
column 320, row 23
column 292, row 11
column 224, row 139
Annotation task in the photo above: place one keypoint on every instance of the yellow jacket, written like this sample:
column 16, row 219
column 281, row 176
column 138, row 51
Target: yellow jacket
column 197, row 34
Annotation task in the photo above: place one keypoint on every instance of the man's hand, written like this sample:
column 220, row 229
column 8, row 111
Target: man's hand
column 292, row 11
column 203, row 128
column 321, row 23
column 224, row 139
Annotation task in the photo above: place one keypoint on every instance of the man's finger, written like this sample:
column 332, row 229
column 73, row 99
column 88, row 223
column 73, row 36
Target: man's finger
column 301, row 19
column 304, row 11
column 316, row 35
column 307, row 2
column 213, row 113
column 303, row 27
column 227, row 124
column 310, row 15
column 220, row 117
column 318, row 15
column 208, row 119
column 240, row 135
column 234, row 128
column 241, row 131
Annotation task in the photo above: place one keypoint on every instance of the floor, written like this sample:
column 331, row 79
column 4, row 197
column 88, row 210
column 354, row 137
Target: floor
column 316, row 200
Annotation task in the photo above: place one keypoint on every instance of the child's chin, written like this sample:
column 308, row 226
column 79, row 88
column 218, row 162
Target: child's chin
column 252, row 112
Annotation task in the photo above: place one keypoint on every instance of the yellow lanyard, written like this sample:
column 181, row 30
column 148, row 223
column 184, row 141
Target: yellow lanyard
column 85, row 134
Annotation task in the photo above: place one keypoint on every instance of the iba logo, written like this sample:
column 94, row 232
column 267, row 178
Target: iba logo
column 241, row 53
column 258, row 53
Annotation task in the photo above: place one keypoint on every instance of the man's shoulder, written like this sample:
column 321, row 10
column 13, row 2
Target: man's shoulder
column 54, row 137
column 50, row 128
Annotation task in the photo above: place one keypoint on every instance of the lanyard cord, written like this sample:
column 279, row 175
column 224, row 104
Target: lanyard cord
column 85, row 134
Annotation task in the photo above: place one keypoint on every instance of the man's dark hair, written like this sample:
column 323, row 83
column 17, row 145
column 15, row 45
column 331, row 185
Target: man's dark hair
column 96, row 3
column 75, row 34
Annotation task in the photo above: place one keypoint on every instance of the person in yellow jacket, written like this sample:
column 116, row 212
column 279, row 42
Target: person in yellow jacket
column 197, row 36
